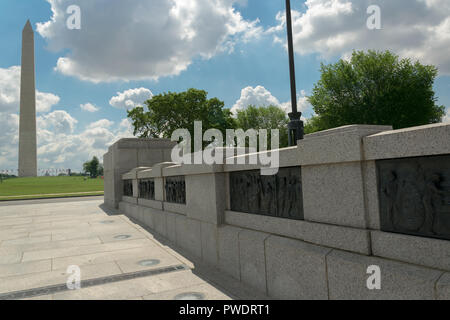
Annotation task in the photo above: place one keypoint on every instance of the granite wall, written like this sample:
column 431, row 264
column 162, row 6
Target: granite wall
column 326, row 255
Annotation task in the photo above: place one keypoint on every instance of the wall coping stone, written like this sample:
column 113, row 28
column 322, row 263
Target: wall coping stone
column 429, row 140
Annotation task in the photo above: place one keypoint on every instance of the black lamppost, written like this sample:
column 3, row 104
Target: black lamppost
column 295, row 126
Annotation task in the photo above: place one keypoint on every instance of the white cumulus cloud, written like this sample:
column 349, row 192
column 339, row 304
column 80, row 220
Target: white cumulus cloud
column 418, row 29
column 144, row 40
column 260, row 96
column 447, row 116
column 103, row 123
column 62, row 148
column 10, row 93
column 89, row 107
column 59, row 122
column 130, row 99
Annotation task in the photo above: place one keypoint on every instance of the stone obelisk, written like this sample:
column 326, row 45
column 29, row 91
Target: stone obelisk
column 27, row 127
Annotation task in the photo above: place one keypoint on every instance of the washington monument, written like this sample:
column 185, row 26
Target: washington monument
column 27, row 126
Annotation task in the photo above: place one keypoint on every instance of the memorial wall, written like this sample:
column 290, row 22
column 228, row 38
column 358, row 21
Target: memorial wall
column 343, row 201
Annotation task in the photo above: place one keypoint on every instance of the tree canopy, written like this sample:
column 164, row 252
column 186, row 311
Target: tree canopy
column 170, row 111
column 93, row 167
column 163, row 114
column 375, row 88
column 270, row 117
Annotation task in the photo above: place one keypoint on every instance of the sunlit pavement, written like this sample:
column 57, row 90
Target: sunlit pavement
column 118, row 259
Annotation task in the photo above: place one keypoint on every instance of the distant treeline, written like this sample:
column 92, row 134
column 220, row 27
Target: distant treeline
column 7, row 176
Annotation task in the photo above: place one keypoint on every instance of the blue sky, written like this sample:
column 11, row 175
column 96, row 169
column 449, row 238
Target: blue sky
column 236, row 55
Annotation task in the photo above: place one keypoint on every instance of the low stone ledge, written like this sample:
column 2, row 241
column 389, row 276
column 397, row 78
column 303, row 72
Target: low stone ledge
column 171, row 226
column 128, row 176
column 443, row 287
column 336, row 145
column 143, row 143
column 350, row 239
column 240, row 167
column 129, row 209
column 288, row 157
column 228, row 247
column 145, row 174
column 159, row 222
column 157, row 169
column 131, row 200
column 252, row 259
column 133, row 174
column 173, row 171
column 196, row 169
column 296, row 269
column 175, row 208
column 123, row 208
column 150, row 203
column 428, row 252
column 426, row 140
column 347, row 279
column 147, row 216
column 209, row 235
column 188, row 233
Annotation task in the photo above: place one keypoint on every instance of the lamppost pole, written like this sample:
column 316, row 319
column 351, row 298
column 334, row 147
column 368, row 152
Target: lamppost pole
column 295, row 126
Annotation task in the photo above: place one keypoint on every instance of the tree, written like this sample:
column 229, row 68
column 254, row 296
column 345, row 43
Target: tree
column 170, row 111
column 101, row 170
column 270, row 117
column 92, row 167
column 375, row 88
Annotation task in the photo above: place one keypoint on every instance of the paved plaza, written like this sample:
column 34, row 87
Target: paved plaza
column 118, row 259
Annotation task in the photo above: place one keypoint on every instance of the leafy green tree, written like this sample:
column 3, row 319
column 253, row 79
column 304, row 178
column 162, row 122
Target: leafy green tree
column 270, row 117
column 313, row 125
column 101, row 170
column 92, row 167
column 170, row 111
column 375, row 88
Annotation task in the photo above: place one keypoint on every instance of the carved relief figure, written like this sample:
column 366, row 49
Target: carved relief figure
column 175, row 190
column 414, row 194
column 147, row 189
column 292, row 200
column 411, row 208
column 279, row 195
column 432, row 199
column 128, row 188
column 282, row 195
column 390, row 192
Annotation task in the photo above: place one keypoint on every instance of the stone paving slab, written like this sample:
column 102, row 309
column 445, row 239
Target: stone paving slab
column 40, row 240
column 44, row 279
column 103, row 257
column 16, row 269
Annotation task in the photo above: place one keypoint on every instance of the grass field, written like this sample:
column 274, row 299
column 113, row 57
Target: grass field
column 45, row 187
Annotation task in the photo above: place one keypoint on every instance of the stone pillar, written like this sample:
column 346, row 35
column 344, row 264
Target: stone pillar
column 27, row 130
column 127, row 154
column 333, row 169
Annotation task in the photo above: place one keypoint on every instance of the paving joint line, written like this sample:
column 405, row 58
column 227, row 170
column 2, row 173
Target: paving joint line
column 42, row 291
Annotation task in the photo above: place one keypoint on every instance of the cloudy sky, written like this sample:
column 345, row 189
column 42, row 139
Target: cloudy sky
column 128, row 51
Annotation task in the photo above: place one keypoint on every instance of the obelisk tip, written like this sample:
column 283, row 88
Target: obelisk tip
column 28, row 26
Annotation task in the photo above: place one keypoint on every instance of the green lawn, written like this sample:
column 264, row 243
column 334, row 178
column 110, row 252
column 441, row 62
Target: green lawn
column 48, row 186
